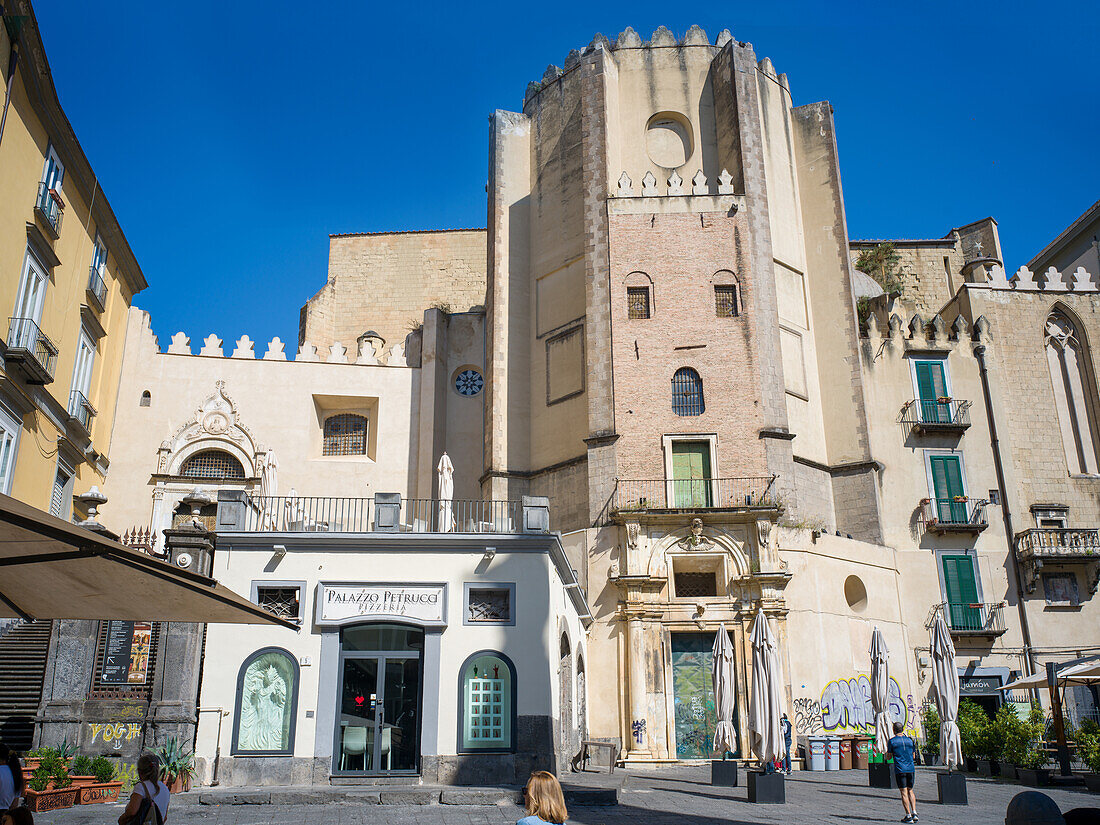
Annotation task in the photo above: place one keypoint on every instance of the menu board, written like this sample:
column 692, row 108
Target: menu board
column 126, row 653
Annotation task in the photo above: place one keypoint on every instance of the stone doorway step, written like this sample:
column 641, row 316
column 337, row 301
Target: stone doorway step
column 389, row 795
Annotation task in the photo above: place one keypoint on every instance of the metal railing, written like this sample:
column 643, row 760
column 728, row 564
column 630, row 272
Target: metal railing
column 695, row 493
column 327, row 514
column 50, row 205
column 957, row 514
column 81, row 409
column 97, row 287
column 938, row 413
column 25, row 338
column 973, row 618
column 1063, row 542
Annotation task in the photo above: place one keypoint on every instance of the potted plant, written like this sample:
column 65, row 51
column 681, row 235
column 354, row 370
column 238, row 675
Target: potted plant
column 80, row 771
column 930, row 721
column 1088, row 750
column 33, row 758
column 972, row 723
column 105, row 788
column 48, row 792
column 992, row 743
column 1023, row 749
column 177, row 767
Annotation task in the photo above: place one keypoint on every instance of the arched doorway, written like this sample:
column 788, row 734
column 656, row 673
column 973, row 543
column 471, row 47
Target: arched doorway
column 379, row 703
column 567, row 737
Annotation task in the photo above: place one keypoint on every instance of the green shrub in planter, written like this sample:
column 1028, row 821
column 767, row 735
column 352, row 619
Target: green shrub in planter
column 102, row 768
column 972, row 722
column 1088, row 744
column 81, row 766
column 40, row 779
column 930, row 721
column 60, row 776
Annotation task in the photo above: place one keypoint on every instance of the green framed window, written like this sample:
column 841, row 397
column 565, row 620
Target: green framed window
column 950, row 493
column 931, row 387
column 960, row 582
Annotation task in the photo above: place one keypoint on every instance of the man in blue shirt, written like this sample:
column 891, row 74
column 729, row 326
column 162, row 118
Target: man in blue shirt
column 902, row 748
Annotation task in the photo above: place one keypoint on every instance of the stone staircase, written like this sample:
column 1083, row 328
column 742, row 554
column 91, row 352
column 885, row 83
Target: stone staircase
column 23, row 649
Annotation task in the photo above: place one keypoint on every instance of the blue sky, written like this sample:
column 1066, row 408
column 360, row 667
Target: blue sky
column 233, row 138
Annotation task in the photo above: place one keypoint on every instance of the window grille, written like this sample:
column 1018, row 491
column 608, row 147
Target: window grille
column 282, row 601
column 692, row 585
column 725, row 301
column 637, row 302
column 345, row 434
column 687, row 392
column 212, row 464
column 490, row 605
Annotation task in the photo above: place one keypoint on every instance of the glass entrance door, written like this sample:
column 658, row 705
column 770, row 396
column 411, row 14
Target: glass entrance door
column 378, row 724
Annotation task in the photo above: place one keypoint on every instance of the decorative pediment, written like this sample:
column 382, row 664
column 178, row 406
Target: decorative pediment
column 215, row 425
column 700, row 538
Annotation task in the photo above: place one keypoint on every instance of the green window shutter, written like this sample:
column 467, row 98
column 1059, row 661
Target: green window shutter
column 691, row 463
column 931, row 384
column 947, row 476
column 962, row 591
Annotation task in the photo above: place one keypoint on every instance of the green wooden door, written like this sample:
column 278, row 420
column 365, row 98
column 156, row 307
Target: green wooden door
column 691, row 474
column 931, row 386
column 962, row 592
column 948, row 483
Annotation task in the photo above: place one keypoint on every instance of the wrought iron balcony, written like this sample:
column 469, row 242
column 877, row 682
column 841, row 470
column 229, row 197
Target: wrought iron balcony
column 81, row 410
column 972, row 619
column 324, row 514
column 50, row 207
column 953, row 515
column 31, row 351
column 940, row 415
column 97, row 288
column 1048, row 545
column 634, row 495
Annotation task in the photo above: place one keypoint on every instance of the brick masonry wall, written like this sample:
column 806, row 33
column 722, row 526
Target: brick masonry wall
column 385, row 282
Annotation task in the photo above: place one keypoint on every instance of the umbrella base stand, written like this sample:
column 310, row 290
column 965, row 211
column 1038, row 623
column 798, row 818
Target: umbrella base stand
column 723, row 773
column 952, row 788
column 881, row 775
column 766, row 787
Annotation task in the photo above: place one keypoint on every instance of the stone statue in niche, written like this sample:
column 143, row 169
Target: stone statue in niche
column 264, row 722
column 696, row 540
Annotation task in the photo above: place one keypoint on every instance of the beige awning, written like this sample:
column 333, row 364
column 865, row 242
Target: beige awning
column 51, row 569
column 1081, row 673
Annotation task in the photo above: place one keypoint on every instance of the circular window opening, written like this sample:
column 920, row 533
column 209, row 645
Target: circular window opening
column 855, row 593
column 668, row 139
column 469, row 382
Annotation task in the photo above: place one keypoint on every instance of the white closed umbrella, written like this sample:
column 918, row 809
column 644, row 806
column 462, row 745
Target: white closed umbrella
column 446, row 472
column 269, row 487
column 725, row 737
column 946, row 680
column 765, row 733
column 880, row 687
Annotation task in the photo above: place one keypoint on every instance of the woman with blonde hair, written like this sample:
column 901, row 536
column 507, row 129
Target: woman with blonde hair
column 544, row 800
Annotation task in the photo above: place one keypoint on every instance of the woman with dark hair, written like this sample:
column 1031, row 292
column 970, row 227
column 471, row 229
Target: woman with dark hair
column 16, row 816
column 150, row 789
column 11, row 778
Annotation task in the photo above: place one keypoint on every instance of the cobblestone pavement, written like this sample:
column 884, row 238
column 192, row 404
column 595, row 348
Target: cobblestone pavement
column 681, row 795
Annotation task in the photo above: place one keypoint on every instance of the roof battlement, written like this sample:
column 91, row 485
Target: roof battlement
column 366, row 352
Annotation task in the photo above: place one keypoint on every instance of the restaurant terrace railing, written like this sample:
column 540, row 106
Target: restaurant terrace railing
column 1059, row 545
column 972, row 618
column 383, row 513
column 936, row 415
column 958, row 514
column 694, row 494
column 28, row 347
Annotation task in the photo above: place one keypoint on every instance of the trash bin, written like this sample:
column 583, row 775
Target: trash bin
column 862, row 756
column 846, row 753
column 817, row 753
column 832, row 753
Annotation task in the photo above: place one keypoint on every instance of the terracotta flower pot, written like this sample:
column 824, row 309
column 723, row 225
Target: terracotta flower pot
column 179, row 784
column 99, row 792
column 30, row 763
column 81, row 781
column 51, row 800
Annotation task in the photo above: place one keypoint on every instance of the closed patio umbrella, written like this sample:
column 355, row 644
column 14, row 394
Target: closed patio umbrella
column 446, row 471
column 765, row 733
column 946, row 680
column 725, row 737
column 880, row 687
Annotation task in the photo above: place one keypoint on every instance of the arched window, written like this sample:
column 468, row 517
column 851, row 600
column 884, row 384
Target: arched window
column 212, row 464
column 146, row 398
column 1072, row 378
column 345, row 434
column 487, row 692
column 687, row 392
column 267, row 704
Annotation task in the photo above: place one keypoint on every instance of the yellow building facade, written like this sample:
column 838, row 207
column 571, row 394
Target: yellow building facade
column 67, row 278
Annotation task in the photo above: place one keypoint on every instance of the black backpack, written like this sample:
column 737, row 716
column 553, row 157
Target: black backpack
column 148, row 813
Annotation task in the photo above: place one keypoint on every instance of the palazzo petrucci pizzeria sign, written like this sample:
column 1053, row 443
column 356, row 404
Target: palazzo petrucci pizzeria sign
column 346, row 602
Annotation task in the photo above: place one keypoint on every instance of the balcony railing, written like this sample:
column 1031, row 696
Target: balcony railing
column 973, row 619
column 953, row 515
column 305, row 514
column 1059, row 546
column 50, row 207
column 936, row 415
column 97, row 288
column 31, row 350
column 694, row 494
column 81, row 410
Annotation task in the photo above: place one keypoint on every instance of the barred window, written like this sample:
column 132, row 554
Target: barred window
column 637, row 302
column 693, row 585
column 687, row 392
column 345, row 434
column 725, row 300
column 212, row 464
column 282, row 601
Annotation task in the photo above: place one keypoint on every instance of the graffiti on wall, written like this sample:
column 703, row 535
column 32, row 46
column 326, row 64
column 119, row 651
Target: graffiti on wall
column 638, row 728
column 113, row 734
column 807, row 716
column 845, row 705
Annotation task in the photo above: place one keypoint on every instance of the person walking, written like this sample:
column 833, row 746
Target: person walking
column 149, row 788
column 785, row 724
column 902, row 749
column 544, row 801
column 11, row 778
